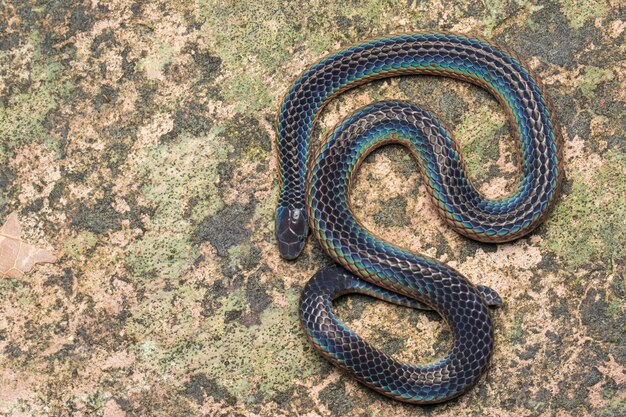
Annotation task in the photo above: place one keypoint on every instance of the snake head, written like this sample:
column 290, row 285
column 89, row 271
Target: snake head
column 292, row 228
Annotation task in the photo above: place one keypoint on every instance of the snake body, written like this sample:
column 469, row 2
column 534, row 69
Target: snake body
column 319, row 197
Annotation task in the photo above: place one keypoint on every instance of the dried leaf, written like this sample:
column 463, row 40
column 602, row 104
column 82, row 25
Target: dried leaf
column 18, row 257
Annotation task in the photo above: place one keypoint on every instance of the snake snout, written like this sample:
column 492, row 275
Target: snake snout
column 292, row 227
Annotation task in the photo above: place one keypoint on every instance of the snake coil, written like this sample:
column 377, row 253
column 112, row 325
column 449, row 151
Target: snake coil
column 370, row 265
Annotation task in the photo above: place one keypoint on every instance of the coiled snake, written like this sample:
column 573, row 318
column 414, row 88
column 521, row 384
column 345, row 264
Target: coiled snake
column 319, row 197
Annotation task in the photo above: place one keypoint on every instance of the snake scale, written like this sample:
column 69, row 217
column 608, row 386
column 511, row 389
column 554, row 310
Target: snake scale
column 315, row 189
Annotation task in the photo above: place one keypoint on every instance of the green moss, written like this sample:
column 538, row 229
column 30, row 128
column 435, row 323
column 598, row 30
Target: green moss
column 154, row 63
column 248, row 92
column 264, row 212
column 477, row 134
column 614, row 309
column 267, row 34
column 165, row 316
column 593, row 76
column 587, row 225
column 263, row 358
column 22, row 117
column 237, row 254
column 180, row 185
column 94, row 402
column 77, row 246
column 281, row 353
column 578, row 12
column 165, row 253
column 178, row 357
column 247, row 137
column 19, row 292
column 495, row 11
column 616, row 408
column 270, row 30
column 515, row 332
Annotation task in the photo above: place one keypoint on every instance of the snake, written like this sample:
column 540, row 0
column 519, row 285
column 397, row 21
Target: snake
column 315, row 188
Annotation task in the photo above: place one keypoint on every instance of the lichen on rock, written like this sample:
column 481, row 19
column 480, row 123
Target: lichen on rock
column 137, row 141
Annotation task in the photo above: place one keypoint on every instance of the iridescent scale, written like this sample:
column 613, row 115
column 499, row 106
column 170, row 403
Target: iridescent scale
column 394, row 274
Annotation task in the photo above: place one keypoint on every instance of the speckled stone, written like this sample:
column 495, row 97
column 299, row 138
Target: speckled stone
column 137, row 143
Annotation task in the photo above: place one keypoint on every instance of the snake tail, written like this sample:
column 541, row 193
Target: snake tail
column 346, row 350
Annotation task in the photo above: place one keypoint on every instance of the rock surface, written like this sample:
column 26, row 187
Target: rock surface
column 137, row 143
